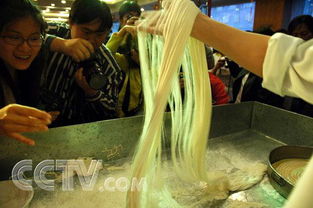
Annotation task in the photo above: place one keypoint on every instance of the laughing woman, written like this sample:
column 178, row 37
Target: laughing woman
column 21, row 34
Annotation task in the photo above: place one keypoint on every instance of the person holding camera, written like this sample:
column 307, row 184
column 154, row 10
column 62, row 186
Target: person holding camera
column 124, row 47
column 81, row 79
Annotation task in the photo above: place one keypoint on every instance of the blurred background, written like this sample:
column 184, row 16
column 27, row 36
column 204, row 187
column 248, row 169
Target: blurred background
column 242, row 14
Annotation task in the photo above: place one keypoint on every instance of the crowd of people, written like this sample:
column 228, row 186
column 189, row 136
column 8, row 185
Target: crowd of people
column 55, row 74
column 51, row 72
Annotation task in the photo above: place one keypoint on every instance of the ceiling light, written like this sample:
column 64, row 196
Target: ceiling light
column 52, row 5
column 50, row 14
column 55, row 19
column 63, row 2
column 111, row 1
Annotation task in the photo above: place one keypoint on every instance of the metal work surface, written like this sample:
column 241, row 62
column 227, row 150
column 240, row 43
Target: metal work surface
column 242, row 149
column 240, row 134
column 230, row 151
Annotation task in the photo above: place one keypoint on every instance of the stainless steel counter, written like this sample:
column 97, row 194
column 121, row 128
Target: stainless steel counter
column 247, row 131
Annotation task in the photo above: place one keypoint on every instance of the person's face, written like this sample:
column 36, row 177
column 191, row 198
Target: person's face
column 302, row 31
column 127, row 16
column 89, row 31
column 16, row 52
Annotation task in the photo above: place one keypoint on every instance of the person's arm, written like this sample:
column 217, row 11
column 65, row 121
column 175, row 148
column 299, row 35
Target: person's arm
column 15, row 119
column 55, row 41
column 79, row 49
column 247, row 49
column 283, row 61
column 114, row 42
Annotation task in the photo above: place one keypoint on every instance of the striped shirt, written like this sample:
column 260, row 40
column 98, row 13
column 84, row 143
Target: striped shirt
column 61, row 93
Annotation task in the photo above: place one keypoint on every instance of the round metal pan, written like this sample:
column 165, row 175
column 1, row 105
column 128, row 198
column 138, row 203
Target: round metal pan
column 279, row 182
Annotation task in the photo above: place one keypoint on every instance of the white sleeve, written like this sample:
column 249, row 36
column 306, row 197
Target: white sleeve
column 288, row 67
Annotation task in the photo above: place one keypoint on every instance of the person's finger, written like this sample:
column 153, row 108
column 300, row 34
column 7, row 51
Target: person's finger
column 132, row 21
column 84, row 53
column 54, row 114
column 79, row 74
column 151, row 30
column 88, row 46
column 134, row 18
column 80, row 55
column 9, row 127
column 22, row 138
column 132, row 30
column 29, row 111
column 138, row 22
column 24, row 120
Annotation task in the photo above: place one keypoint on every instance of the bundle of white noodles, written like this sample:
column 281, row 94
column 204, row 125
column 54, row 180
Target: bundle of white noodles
column 161, row 57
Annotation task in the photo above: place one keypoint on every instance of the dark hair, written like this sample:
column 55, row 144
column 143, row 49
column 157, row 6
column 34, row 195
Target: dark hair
column 129, row 6
column 302, row 19
column 11, row 10
column 84, row 11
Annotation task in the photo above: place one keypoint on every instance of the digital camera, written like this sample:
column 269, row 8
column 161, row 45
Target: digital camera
column 93, row 73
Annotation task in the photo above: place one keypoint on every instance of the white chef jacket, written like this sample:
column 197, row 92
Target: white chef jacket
column 288, row 67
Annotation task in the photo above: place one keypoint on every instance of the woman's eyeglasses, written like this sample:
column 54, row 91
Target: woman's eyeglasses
column 32, row 41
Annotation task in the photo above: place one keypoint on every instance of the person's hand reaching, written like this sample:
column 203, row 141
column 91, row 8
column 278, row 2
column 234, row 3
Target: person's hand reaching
column 16, row 119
